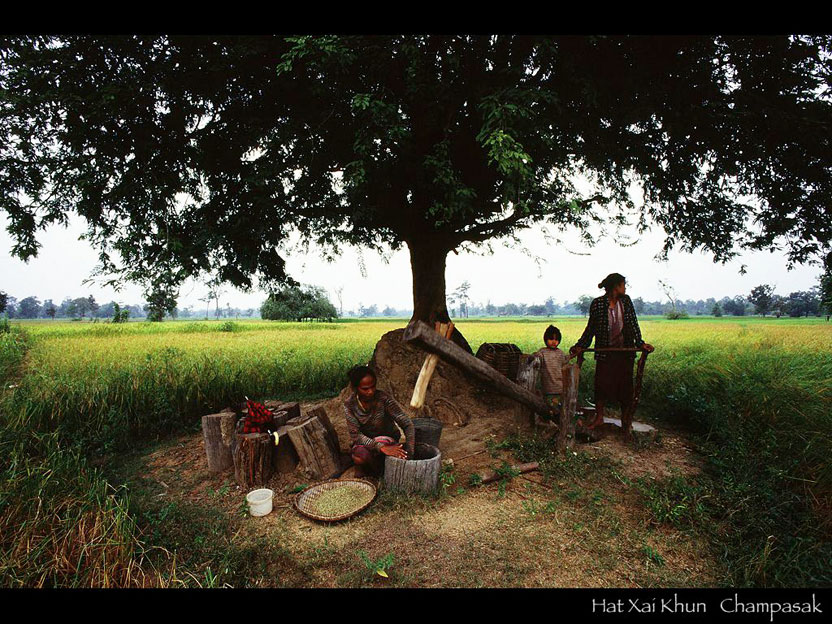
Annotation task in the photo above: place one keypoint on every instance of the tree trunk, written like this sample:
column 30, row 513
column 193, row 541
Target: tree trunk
column 427, row 263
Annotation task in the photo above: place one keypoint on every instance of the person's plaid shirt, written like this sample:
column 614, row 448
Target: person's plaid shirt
column 599, row 325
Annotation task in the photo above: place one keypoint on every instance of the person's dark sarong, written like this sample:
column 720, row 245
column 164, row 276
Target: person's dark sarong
column 370, row 459
column 614, row 379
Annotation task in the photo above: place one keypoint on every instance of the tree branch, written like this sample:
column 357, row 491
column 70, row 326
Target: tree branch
column 484, row 231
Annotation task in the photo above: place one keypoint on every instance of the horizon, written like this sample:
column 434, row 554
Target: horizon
column 513, row 274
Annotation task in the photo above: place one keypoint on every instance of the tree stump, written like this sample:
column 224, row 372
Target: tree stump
column 253, row 458
column 314, row 447
column 420, row 474
column 320, row 414
column 218, row 431
column 285, row 457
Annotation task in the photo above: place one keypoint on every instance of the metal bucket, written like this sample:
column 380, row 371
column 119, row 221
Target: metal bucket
column 428, row 431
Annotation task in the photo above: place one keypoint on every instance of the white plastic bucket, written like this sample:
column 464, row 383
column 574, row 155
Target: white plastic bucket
column 260, row 502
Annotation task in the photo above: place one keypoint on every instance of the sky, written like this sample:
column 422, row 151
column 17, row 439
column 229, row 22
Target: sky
column 509, row 275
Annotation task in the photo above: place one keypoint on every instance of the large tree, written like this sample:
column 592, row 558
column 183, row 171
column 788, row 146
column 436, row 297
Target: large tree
column 29, row 308
column 762, row 297
column 190, row 155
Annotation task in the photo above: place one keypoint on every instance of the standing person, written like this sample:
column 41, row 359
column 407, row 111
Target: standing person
column 552, row 361
column 613, row 323
column 372, row 416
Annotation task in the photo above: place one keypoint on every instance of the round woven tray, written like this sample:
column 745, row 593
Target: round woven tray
column 305, row 500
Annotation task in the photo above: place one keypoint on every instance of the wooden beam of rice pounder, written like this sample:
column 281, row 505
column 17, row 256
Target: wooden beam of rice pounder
column 423, row 336
column 421, row 388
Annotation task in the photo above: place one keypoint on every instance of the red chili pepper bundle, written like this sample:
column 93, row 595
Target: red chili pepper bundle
column 259, row 418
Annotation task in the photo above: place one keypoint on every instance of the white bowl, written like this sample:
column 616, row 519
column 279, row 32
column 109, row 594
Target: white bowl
column 260, row 502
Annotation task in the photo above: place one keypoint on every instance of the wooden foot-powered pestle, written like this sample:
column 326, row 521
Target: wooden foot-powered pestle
column 423, row 336
column 420, row 389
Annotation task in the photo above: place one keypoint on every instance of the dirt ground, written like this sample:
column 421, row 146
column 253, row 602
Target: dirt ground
column 591, row 529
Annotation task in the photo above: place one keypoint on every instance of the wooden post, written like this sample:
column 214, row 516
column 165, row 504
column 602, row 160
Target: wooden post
column 528, row 373
column 312, row 444
column 569, row 407
column 218, row 431
column 424, row 337
column 627, row 415
column 253, row 458
column 420, row 389
column 420, row 474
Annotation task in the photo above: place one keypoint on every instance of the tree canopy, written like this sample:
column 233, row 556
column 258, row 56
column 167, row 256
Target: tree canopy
column 201, row 155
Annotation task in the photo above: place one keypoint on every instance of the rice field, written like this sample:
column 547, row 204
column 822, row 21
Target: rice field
column 757, row 392
column 142, row 378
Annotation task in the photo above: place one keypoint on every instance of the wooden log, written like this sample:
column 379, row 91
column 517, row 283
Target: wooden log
column 253, row 458
column 315, row 453
column 218, row 432
column 297, row 420
column 428, row 367
column 285, row 456
column 420, row 474
column 332, row 435
column 492, row 475
column 424, row 337
column 627, row 416
column 291, row 409
column 569, row 407
column 528, row 373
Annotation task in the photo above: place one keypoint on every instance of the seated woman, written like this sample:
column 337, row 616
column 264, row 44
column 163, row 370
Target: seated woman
column 613, row 323
column 372, row 416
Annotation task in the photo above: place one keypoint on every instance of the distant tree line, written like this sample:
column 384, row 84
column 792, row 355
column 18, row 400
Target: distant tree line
column 88, row 308
column 311, row 303
column 760, row 301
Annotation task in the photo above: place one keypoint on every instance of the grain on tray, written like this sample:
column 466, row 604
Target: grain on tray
column 340, row 500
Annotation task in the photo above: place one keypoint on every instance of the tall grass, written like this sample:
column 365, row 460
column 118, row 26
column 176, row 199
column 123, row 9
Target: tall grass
column 757, row 392
column 64, row 525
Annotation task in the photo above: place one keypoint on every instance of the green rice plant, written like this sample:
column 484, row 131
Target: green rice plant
column 12, row 350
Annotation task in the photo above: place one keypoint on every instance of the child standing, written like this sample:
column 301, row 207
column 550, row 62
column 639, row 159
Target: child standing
column 552, row 361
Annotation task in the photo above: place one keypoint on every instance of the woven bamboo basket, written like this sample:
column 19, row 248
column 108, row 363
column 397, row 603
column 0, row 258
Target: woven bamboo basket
column 305, row 500
column 503, row 356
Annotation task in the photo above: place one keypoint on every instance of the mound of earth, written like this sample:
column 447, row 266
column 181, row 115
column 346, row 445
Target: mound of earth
column 470, row 413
